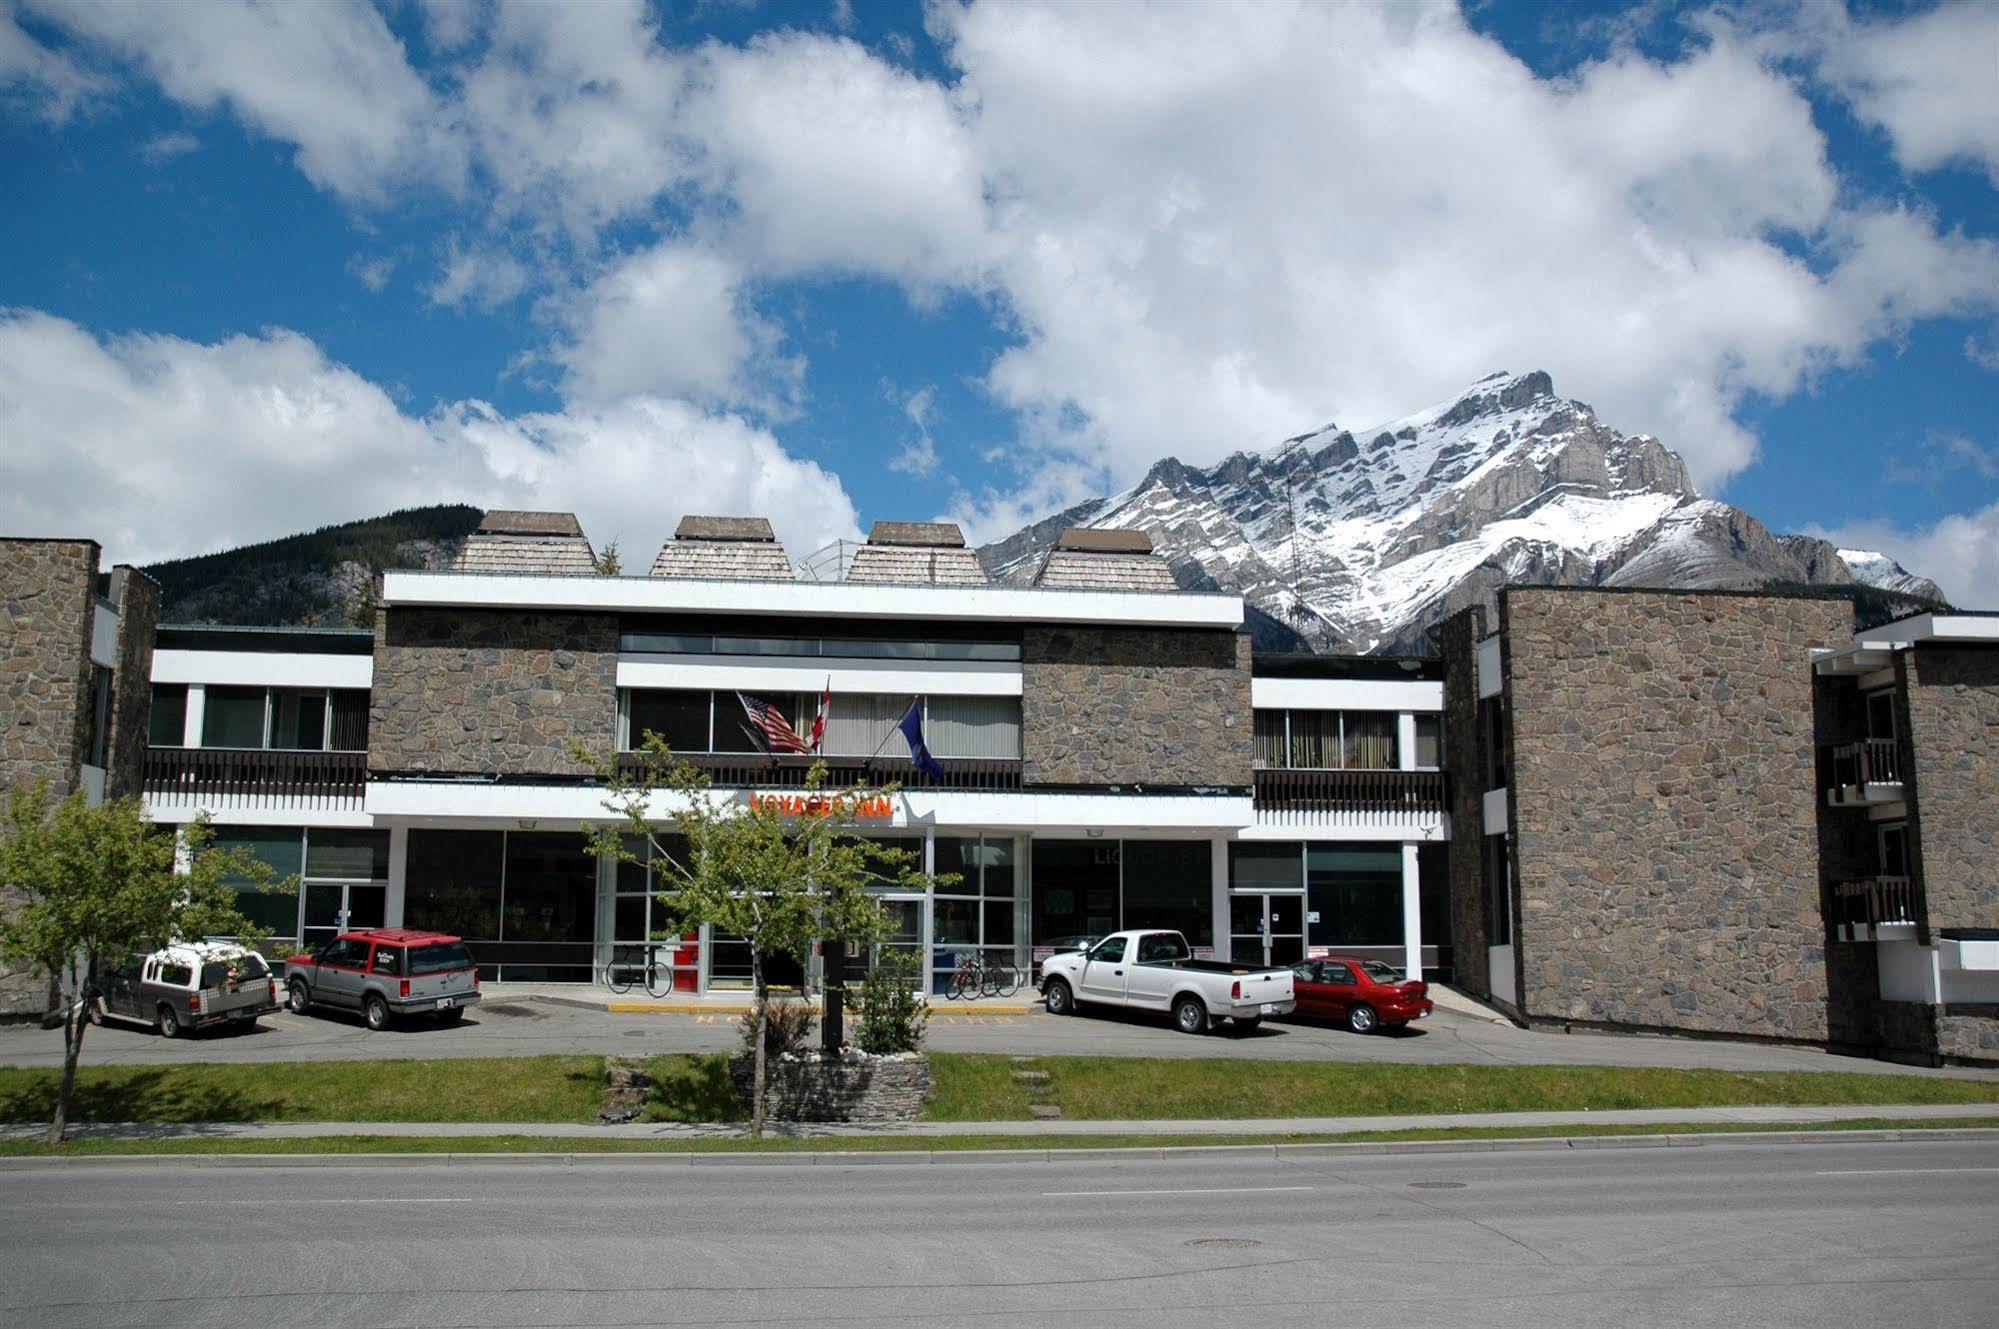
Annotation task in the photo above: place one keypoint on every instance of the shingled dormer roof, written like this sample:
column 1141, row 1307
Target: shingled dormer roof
column 1089, row 559
column 527, row 542
column 916, row 553
column 723, row 549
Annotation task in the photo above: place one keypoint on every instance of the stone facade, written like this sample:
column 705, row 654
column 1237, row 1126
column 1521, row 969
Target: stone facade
column 1471, row 929
column 1664, row 798
column 48, row 600
column 1135, row 706
column 1969, row 1031
column 138, row 599
column 873, row 1090
column 478, row 692
column 1952, row 734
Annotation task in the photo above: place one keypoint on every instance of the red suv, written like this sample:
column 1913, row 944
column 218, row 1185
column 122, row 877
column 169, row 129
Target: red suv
column 383, row 973
column 1363, row 994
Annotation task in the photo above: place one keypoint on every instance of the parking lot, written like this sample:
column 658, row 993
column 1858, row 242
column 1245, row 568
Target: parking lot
column 510, row 1027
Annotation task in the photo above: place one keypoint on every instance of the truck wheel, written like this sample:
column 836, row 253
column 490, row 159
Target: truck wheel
column 1060, row 1000
column 1363, row 1020
column 298, row 1000
column 1190, row 1015
column 167, row 1022
column 377, row 1012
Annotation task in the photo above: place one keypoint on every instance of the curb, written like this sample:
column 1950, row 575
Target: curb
column 931, row 1157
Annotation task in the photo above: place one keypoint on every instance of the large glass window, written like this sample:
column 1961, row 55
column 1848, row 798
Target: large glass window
column 1499, row 890
column 347, row 723
column 233, row 717
column 1270, row 739
column 1328, row 740
column 1277, row 866
column 1429, row 742
column 550, row 896
column 1170, row 884
column 1355, row 891
column 680, row 716
column 973, row 727
column 1075, row 889
column 975, row 913
column 857, row 724
column 1433, row 887
column 676, row 642
column 347, row 855
column 280, row 849
column 166, row 724
column 298, row 720
column 453, row 883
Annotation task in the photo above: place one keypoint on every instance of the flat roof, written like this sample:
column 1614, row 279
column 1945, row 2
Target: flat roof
column 228, row 637
column 991, row 604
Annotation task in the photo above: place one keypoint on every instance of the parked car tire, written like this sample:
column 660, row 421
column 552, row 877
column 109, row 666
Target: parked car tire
column 1190, row 1015
column 166, row 1021
column 1059, row 999
column 376, row 1012
column 298, row 997
column 1249, row 1026
column 1362, row 1019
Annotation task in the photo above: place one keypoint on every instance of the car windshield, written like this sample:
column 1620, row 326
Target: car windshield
column 439, row 958
column 1381, row 973
column 238, row 968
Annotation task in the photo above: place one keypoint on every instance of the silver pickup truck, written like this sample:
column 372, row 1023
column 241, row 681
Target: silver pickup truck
column 186, row 986
column 1157, row 971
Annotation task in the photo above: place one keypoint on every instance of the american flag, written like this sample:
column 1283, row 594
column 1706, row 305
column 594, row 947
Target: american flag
column 769, row 724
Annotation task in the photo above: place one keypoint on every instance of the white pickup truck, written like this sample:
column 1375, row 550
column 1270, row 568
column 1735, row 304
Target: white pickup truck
column 1156, row 971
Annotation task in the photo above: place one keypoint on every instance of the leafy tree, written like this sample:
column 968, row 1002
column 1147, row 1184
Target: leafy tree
column 89, row 885
column 779, row 880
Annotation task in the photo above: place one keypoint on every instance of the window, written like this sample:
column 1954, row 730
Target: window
column 97, row 732
column 1881, row 714
column 1161, row 949
column 454, row 882
column 176, row 975
column 1356, row 891
column 857, row 724
column 1492, row 727
column 347, row 727
column 1327, row 740
column 1499, row 891
column 976, row 911
column 638, row 641
column 298, row 720
column 1894, row 846
column 1168, row 884
column 166, row 724
column 680, row 716
column 1110, row 950
column 278, row 848
column 1337, row 973
column 344, row 855
column 233, row 718
column 1429, row 742
column 346, row 954
column 441, row 958
column 388, row 960
column 1277, row 866
column 973, row 727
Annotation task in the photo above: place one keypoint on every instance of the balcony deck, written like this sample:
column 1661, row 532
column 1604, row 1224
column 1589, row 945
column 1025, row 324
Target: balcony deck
column 754, row 771
column 225, row 779
column 1864, row 772
column 1377, row 793
column 1863, row 906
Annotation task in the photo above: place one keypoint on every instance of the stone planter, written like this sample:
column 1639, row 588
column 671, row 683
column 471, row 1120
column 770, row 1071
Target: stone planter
column 857, row 1087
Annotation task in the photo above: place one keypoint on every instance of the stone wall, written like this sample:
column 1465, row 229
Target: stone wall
column 1969, row 1031
column 1470, row 928
column 138, row 599
column 1953, row 739
column 874, row 1090
column 466, row 691
column 1664, row 791
column 1135, row 706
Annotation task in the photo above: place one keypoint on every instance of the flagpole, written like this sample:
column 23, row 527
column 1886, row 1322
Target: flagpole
column 893, row 730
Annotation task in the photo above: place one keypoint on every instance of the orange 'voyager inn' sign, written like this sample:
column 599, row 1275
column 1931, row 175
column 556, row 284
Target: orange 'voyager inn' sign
column 878, row 808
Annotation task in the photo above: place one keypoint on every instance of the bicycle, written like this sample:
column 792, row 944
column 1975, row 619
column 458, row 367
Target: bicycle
column 629, row 962
column 985, row 978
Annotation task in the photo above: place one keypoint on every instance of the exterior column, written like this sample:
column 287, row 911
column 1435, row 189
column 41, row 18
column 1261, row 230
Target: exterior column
column 1219, row 895
column 1412, row 914
column 399, row 855
column 1405, row 741
column 197, row 711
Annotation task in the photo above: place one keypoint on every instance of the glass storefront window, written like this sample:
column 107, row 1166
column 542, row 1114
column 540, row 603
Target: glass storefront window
column 1356, row 891
column 279, row 848
column 1168, row 884
column 1276, row 866
column 346, row 855
column 454, row 883
column 1075, row 889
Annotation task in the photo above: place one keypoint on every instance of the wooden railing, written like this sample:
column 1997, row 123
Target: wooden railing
column 1866, row 761
column 278, row 778
column 1350, row 791
column 1874, row 900
column 751, row 771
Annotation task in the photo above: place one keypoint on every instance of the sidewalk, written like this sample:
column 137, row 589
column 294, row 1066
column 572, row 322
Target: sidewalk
column 596, row 997
column 569, row 1130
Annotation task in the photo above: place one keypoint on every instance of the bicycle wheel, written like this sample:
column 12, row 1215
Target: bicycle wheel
column 659, row 978
column 1009, row 979
column 961, row 980
column 989, row 980
column 620, row 975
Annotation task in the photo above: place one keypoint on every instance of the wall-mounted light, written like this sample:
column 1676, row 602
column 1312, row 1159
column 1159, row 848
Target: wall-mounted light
column 526, row 823
column 1094, row 833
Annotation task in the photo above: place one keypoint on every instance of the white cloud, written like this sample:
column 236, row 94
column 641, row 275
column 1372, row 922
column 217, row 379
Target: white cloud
column 163, row 148
column 674, row 321
column 484, row 276
column 373, row 273
column 162, row 447
column 329, row 77
column 1960, row 552
column 918, row 456
column 1927, row 80
column 53, row 83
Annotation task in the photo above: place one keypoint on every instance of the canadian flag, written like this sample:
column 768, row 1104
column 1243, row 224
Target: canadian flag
column 819, row 720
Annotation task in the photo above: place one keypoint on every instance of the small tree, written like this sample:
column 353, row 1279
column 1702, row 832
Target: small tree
column 610, row 563
column 94, row 884
column 779, row 879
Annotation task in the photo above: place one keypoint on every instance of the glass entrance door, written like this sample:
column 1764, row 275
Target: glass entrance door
column 1267, row 928
column 336, row 906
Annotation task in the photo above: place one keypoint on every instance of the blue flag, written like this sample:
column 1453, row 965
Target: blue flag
column 919, row 751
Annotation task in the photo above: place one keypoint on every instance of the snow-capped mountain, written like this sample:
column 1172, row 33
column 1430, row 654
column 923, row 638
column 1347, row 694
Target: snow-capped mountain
column 1361, row 541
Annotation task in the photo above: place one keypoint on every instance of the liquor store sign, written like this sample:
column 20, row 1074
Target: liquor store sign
column 879, row 807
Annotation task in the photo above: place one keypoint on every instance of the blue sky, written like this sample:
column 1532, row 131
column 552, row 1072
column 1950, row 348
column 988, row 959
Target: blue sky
column 275, row 266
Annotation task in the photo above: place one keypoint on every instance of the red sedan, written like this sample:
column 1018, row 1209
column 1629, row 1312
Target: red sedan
column 1364, row 994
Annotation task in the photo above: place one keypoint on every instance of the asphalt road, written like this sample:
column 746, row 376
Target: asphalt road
column 521, row 1028
column 1820, row 1234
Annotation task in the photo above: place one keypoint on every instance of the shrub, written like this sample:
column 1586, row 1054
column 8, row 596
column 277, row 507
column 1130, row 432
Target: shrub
column 891, row 1010
column 787, row 1028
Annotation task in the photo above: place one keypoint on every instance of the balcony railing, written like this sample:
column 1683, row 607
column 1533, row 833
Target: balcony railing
column 1872, row 901
column 1350, row 791
column 1866, row 761
column 750, row 771
column 224, row 777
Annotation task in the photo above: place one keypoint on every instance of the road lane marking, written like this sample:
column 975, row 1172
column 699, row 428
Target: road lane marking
column 1901, row 1171
column 1216, row 1190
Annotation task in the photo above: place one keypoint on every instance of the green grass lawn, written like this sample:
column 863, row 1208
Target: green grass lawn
column 968, row 1088
column 471, row 1089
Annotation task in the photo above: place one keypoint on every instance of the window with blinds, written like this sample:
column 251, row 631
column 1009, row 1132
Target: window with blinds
column 857, row 724
column 1328, row 740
